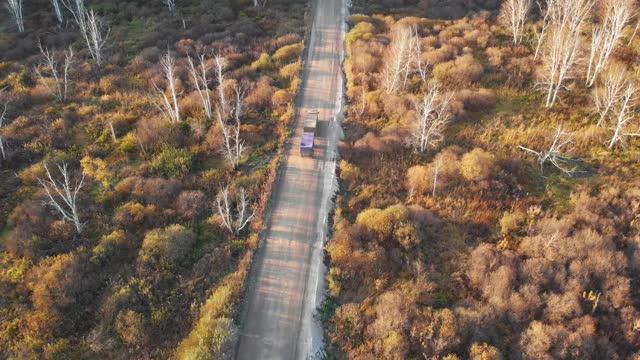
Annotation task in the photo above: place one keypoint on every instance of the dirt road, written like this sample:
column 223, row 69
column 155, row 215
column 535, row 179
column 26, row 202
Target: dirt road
column 286, row 284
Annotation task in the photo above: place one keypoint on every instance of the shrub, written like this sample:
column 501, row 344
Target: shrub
column 459, row 72
column 167, row 246
column 172, row 161
column 288, row 52
column 362, row 30
column 264, row 62
column 111, row 246
column 477, row 165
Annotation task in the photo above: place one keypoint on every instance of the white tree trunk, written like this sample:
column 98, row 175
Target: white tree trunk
column 513, row 15
column 233, row 221
column 168, row 105
column 15, row 8
column 63, row 195
column 57, row 10
column 199, row 77
column 432, row 116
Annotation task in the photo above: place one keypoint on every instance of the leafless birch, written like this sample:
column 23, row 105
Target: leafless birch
column 555, row 154
column 624, row 114
column 220, row 67
column 234, row 221
column 606, row 36
column 398, row 60
column 95, row 34
column 15, row 8
column 609, row 91
column 432, row 116
column 168, row 105
column 63, row 195
column 57, row 9
column 560, row 52
column 171, row 4
column 59, row 74
column 199, row 77
column 513, row 15
column 233, row 144
column 3, row 112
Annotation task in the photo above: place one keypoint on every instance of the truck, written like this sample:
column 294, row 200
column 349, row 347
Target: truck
column 308, row 133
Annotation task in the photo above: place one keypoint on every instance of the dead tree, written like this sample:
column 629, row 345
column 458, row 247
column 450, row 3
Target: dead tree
column 63, row 195
column 554, row 155
column 59, row 74
column 220, row 67
column 4, row 105
column 560, row 52
column 199, row 77
column 15, row 8
column 168, row 105
column 624, row 114
column 606, row 36
column 233, row 221
column 95, row 34
column 233, row 144
column 171, row 4
column 432, row 116
column 57, row 9
column 513, row 15
column 421, row 66
column 398, row 60
column 609, row 91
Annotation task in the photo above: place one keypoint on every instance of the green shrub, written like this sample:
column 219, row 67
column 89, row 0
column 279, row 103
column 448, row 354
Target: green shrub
column 172, row 161
column 289, row 52
column 264, row 62
column 168, row 245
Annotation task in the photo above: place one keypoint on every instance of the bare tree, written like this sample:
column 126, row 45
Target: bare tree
column 168, row 105
column 605, row 36
column 624, row 114
column 513, row 15
column 15, row 8
column 421, row 66
column 609, row 91
column 554, row 155
column 4, row 105
column 562, row 44
column 233, row 144
column 199, row 77
column 57, row 8
column 171, row 4
column 234, row 221
column 398, row 60
column 436, row 171
column 60, row 75
column 63, row 195
column 93, row 29
column 220, row 67
column 95, row 34
column 432, row 116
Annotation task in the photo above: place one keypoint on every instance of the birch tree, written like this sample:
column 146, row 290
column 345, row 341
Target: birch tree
column 15, row 8
column 95, row 34
column 606, row 36
column 560, row 52
column 59, row 73
column 171, row 4
column 398, row 60
column 57, row 9
column 63, row 194
column 624, row 114
column 609, row 91
column 432, row 116
column 555, row 154
column 220, row 68
column 234, row 220
column 513, row 15
column 3, row 112
column 200, row 80
column 94, row 30
column 233, row 144
column 168, row 105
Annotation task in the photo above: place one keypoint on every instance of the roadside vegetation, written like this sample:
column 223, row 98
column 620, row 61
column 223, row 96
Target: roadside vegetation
column 139, row 141
column 485, row 210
